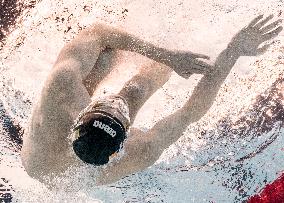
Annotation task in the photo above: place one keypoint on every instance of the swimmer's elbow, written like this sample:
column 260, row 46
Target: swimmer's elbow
column 96, row 28
column 25, row 158
column 30, row 167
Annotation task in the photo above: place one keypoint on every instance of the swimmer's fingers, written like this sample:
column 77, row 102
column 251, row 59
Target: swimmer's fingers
column 202, row 56
column 197, row 67
column 187, row 63
column 186, row 74
column 201, row 67
column 270, row 26
column 263, row 22
column 272, row 34
column 254, row 21
column 202, row 64
column 263, row 49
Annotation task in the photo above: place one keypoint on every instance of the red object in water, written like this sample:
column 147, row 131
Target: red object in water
column 272, row 193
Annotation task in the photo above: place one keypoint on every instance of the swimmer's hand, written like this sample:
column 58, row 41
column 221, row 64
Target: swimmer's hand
column 186, row 63
column 247, row 41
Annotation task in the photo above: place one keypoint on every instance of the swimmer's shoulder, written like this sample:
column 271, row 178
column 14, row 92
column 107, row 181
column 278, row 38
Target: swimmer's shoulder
column 64, row 87
column 58, row 105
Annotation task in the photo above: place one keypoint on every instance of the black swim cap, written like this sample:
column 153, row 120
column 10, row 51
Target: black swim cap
column 99, row 136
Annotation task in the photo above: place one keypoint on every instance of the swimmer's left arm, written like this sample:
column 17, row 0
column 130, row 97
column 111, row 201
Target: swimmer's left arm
column 183, row 63
column 87, row 46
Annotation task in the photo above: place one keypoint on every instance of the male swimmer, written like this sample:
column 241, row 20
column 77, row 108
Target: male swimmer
column 101, row 128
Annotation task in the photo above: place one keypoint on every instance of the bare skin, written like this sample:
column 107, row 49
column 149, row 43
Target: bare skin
column 80, row 67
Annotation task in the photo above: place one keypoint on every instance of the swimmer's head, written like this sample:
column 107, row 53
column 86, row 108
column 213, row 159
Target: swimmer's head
column 98, row 136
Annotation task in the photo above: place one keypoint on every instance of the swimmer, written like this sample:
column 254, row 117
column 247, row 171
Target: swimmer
column 68, row 127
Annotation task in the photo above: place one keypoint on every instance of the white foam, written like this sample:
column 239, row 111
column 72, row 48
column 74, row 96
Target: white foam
column 201, row 26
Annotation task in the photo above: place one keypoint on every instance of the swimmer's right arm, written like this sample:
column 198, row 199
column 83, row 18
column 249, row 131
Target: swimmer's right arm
column 86, row 47
column 244, row 43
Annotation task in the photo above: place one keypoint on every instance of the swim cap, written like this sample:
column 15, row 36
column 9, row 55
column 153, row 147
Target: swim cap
column 99, row 136
column 100, row 130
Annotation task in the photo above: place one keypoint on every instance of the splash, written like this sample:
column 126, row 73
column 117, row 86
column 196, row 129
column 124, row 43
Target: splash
column 234, row 149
